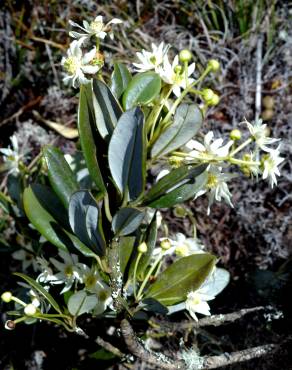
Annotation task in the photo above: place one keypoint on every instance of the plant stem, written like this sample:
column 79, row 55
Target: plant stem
column 17, row 300
column 135, row 273
column 140, row 292
column 107, row 208
column 240, row 147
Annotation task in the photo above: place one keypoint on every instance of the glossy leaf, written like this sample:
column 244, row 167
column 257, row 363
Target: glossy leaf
column 127, row 153
column 183, row 276
column 107, row 110
column 187, row 121
column 36, row 286
column 127, row 220
column 80, row 303
column 181, row 193
column 120, row 79
column 83, row 218
column 126, row 245
column 176, row 177
column 60, row 174
column 46, row 224
column 87, row 133
column 152, row 305
column 143, row 89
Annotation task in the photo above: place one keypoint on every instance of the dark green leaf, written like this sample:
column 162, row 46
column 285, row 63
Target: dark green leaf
column 126, row 245
column 87, row 132
column 181, row 193
column 127, row 153
column 60, row 174
column 46, row 224
column 176, row 177
column 187, row 121
column 183, row 276
column 152, row 305
column 120, row 79
column 106, row 109
column 36, row 286
column 83, row 217
column 142, row 89
column 127, row 220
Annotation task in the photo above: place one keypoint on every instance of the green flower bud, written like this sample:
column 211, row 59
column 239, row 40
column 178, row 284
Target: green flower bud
column 214, row 65
column 185, row 56
column 207, row 95
column 178, row 69
column 175, row 161
column 180, row 211
column 6, row 297
column 215, row 100
column 30, row 310
column 235, row 134
column 142, row 248
column 165, row 244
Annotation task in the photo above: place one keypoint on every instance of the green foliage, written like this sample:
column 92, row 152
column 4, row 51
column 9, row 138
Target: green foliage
column 127, row 154
column 187, row 121
column 183, row 276
column 127, row 220
column 142, row 89
column 88, row 136
column 38, row 288
column 60, row 174
column 121, row 78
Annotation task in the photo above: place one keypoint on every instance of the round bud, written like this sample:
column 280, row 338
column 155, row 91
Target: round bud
column 207, row 95
column 30, row 310
column 214, row 65
column 215, row 100
column 142, row 248
column 268, row 102
column 6, row 297
column 165, row 244
column 10, row 325
column 185, row 56
column 180, row 211
column 235, row 134
column 246, row 157
column 178, row 69
column 267, row 114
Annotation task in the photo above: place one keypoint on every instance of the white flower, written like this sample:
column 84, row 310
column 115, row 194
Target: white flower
column 216, row 187
column 173, row 74
column 68, row 270
column 197, row 302
column 183, row 246
column 103, row 293
column 260, row 135
column 212, row 149
column 90, row 277
column 27, row 258
column 12, row 156
column 77, row 65
column 271, row 162
column 95, row 28
column 151, row 59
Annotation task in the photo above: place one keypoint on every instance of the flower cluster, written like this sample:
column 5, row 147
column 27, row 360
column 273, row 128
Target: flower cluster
column 173, row 74
column 79, row 65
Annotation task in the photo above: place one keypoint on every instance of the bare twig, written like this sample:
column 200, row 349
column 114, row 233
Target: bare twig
column 137, row 349
column 214, row 362
column 109, row 347
column 215, row 320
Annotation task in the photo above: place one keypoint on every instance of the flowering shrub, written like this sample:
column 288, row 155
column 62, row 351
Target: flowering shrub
column 104, row 219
